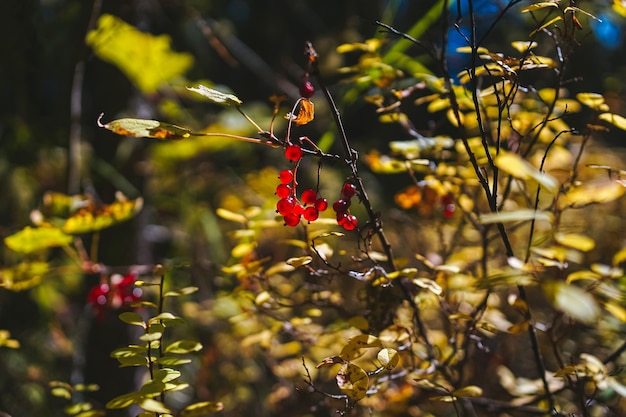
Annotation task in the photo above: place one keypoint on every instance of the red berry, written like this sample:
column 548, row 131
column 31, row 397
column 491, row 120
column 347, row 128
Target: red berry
column 348, row 190
column 321, row 204
column 291, row 219
column 293, row 153
column 341, row 218
column 298, row 209
column 285, row 205
column 350, row 222
column 311, row 214
column 449, row 211
column 306, row 89
column 309, row 196
column 98, row 295
column 341, row 206
column 286, row 176
column 283, row 190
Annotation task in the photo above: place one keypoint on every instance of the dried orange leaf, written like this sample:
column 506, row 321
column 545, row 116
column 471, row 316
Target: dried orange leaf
column 306, row 113
column 353, row 381
column 143, row 128
column 615, row 119
column 216, row 96
column 33, row 239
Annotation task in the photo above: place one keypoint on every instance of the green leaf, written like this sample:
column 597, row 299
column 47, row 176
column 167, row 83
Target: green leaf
column 152, row 388
column 201, row 409
column 154, row 406
column 166, row 374
column 31, row 239
column 132, row 360
column 61, row 392
column 353, row 381
column 151, row 337
column 130, row 317
column 216, row 96
column 124, row 400
column 23, row 276
column 144, row 128
column 183, row 346
column 182, row 291
column 130, row 350
column 93, row 218
column 172, row 361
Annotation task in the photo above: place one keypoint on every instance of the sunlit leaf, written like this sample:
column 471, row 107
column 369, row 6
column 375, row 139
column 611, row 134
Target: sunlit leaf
column 575, row 241
column 591, row 192
column 216, row 96
column 6, row 341
column 130, row 317
column 172, row 361
column 575, row 302
column 545, row 25
column 301, row 261
column 516, row 166
column 468, row 391
column 428, row 284
column 353, row 381
column 152, row 388
column 62, row 205
column 90, row 219
column 523, row 46
column 166, row 374
column 130, row 350
column 183, row 346
column 201, row 409
column 132, row 360
column 593, row 100
column 615, row 119
column 229, row 215
column 306, row 113
column 540, row 5
column 516, row 216
column 619, row 257
column 143, row 128
column 616, row 310
column 584, row 274
column 352, row 350
column 388, row 358
column 182, row 291
column 31, row 239
column 154, row 406
column 124, row 400
column 23, row 276
column 147, row 60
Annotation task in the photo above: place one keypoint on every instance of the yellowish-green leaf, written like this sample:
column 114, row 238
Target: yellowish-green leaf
column 130, row 350
column 540, row 5
column 132, row 360
column 575, row 241
column 183, row 346
column 523, row 46
column 468, row 391
column 124, row 400
column 516, row 216
column 232, row 216
column 297, row 262
column 216, row 96
column 61, row 392
column 62, row 205
column 615, row 119
column 130, row 317
column 584, row 274
column 90, row 219
column 154, row 406
column 182, row 291
column 593, row 192
column 619, row 257
column 172, row 361
column 6, row 341
column 144, row 128
column 575, row 302
column 388, row 358
column 31, row 239
column 147, row 60
column 616, row 310
column 152, row 388
column 201, row 409
column 545, row 25
column 23, row 276
column 243, row 249
column 353, row 381
column 593, row 100
column 166, row 374
column 516, row 166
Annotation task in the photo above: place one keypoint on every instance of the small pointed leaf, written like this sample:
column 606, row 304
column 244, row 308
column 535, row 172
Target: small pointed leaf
column 183, row 346
column 216, row 96
column 143, row 128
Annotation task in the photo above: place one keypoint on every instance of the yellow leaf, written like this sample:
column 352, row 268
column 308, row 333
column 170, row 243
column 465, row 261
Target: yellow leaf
column 142, row 128
column 216, row 96
column 575, row 302
column 593, row 100
column 468, row 391
column 201, row 409
column 523, row 46
column 615, row 119
column 540, row 5
column 362, row 341
column 575, row 241
column 147, row 60
column 31, row 239
column 619, row 257
column 23, row 276
column 602, row 191
column 353, row 381
column 90, row 219
column 516, row 166
column 388, row 358
column 616, row 310
column 516, row 216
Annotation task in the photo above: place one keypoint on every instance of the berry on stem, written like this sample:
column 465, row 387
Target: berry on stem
column 311, row 214
column 283, row 190
column 285, row 206
column 348, row 190
column 306, row 89
column 291, row 220
column 309, row 196
column 293, row 153
column 286, row 176
column 341, row 205
column 321, row 204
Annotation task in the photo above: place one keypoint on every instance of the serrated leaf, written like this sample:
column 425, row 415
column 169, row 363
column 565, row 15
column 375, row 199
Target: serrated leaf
column 124, row 400
column 353, row 381
column 91, row 219
column 516, row 166
column 216, row 96
column 388, row 358
column 201, row 409
column 31, row 239
column 183, row 346
column 615, row 119
column 130, row 317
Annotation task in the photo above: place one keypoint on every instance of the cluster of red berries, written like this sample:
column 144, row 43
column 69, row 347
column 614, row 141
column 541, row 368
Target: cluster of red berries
column 342, row 207
column 289, row 206
column 119, row 290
